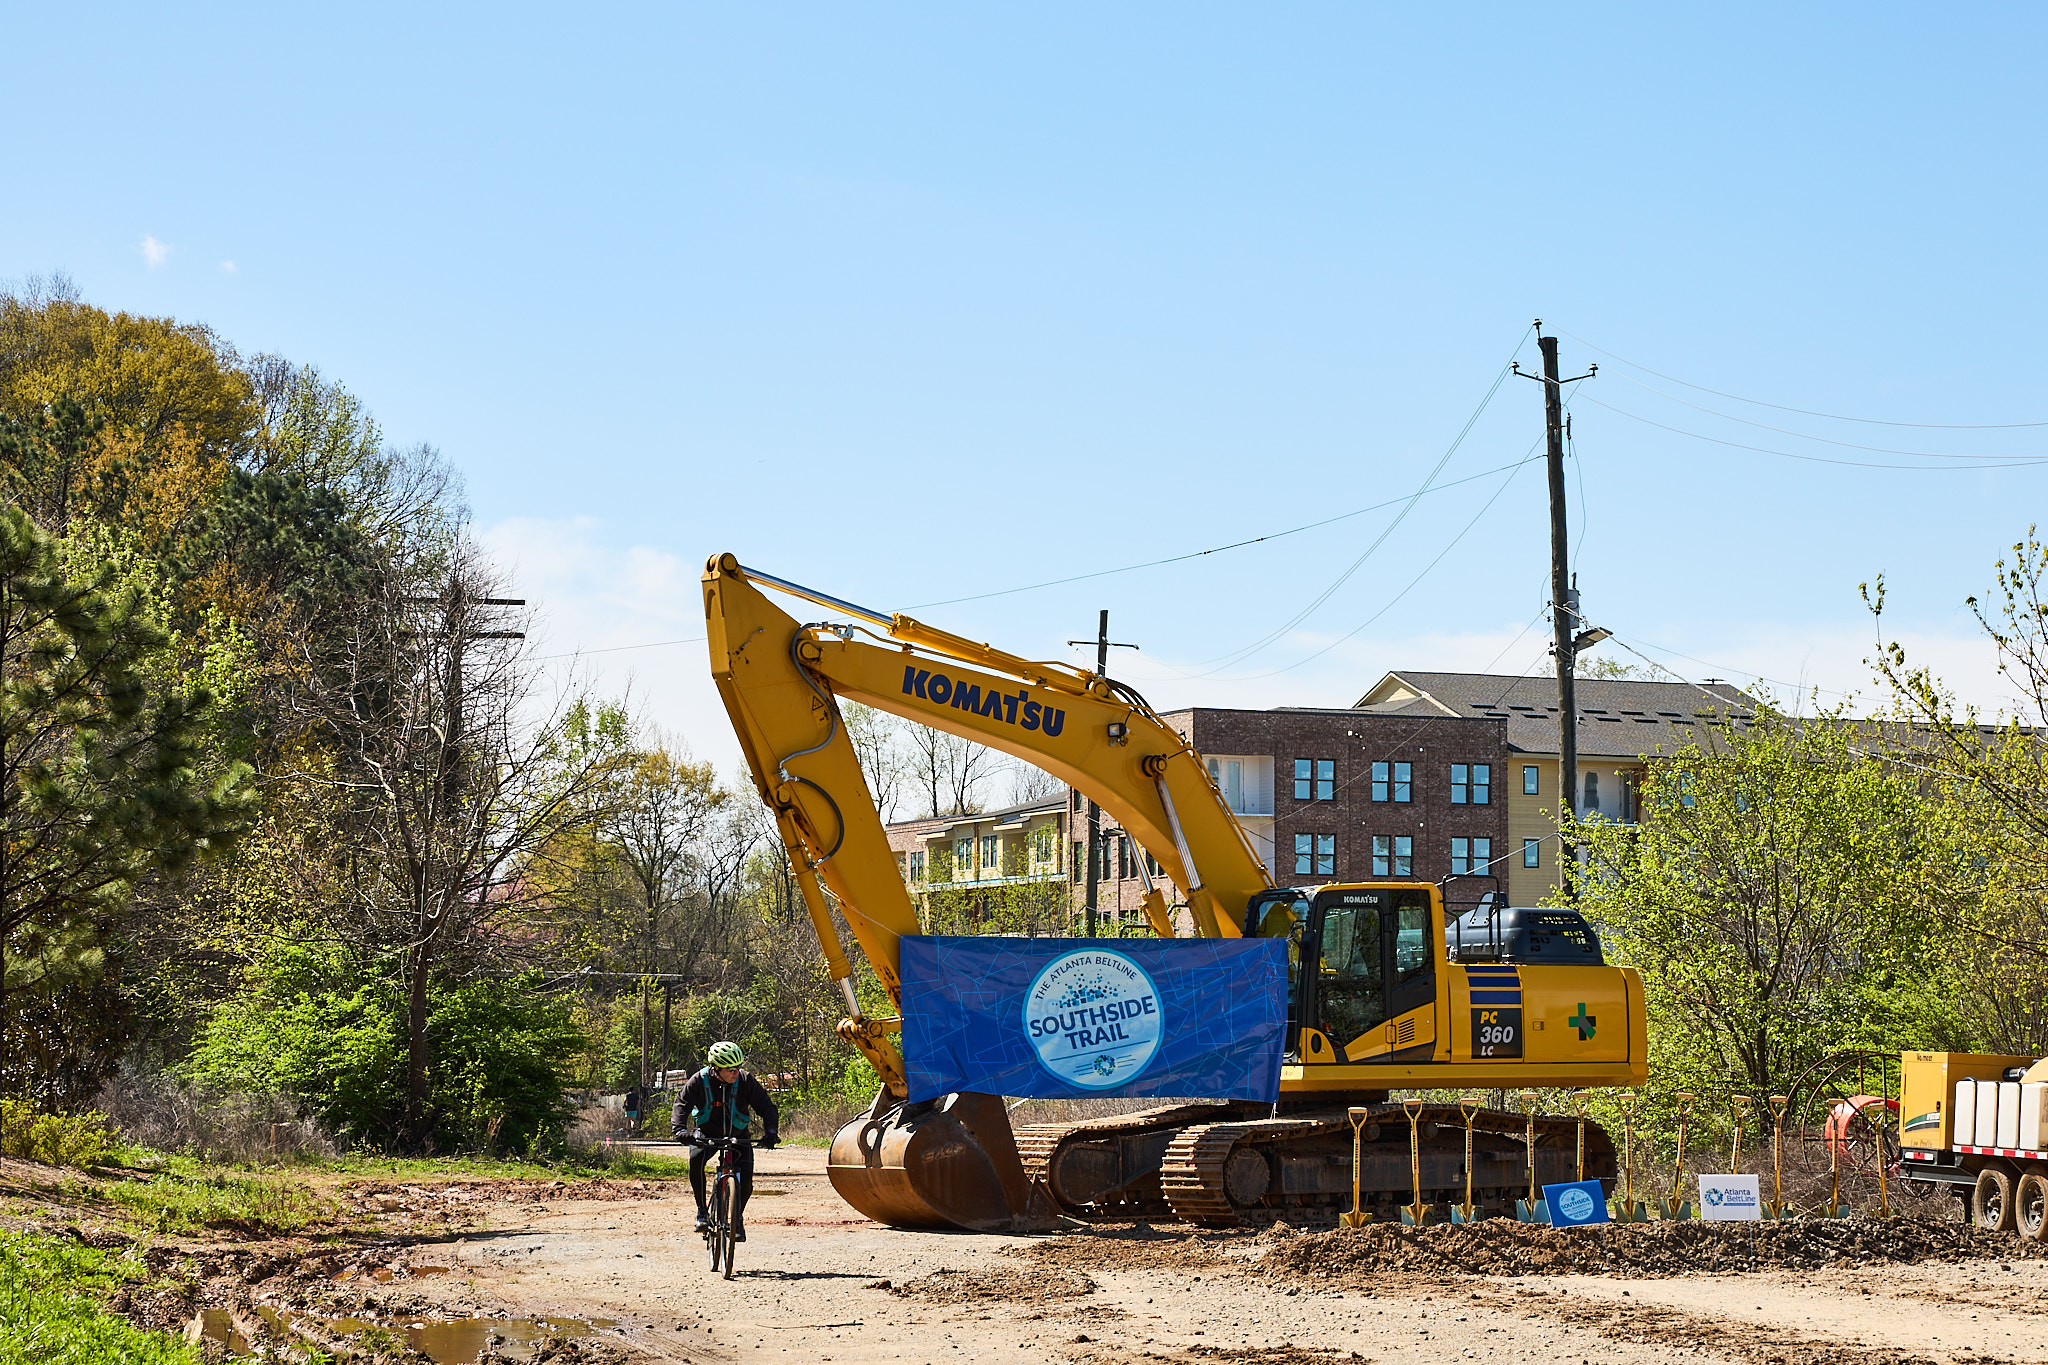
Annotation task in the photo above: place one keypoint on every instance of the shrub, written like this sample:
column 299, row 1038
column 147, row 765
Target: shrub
column 312, row 1026
column 175, row 1115
column 54, row 1139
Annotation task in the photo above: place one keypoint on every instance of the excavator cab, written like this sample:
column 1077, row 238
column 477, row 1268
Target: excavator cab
column 1361, row 958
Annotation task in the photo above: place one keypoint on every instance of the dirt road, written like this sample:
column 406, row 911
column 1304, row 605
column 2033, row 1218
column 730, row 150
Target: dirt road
column 818, row 1283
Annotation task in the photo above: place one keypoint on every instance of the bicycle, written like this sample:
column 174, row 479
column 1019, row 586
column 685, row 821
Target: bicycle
column 725, row 1195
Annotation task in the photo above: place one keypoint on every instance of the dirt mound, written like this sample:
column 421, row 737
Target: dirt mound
column 1130, row 1246
column 1499, row 1247
column 987, row 1286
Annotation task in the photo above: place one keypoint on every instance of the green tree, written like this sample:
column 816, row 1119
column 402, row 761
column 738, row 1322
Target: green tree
column 103, row 775
column 318, row 1024
column 1992, row 772
column 1776, row 887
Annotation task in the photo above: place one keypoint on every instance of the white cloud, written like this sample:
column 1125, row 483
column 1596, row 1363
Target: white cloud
column 155, row 252
column 227, row 267
column 631, row 616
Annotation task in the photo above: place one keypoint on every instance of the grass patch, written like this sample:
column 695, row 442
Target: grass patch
column 187, row 1203
column 50, row 1307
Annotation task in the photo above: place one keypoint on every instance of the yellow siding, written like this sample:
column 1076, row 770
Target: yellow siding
column 1532, row 817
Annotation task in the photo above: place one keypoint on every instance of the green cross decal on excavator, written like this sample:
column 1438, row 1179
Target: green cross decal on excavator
column 1583, row 1022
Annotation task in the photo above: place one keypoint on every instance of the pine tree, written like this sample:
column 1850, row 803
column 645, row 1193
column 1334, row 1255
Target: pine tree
column 102, row 778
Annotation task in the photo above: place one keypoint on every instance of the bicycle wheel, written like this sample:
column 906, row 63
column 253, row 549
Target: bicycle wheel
column 714, row 1236
column 728, row 1190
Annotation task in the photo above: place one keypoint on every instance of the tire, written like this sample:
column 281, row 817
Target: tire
column 1991, row 1204
column 2030, row 1205
column 714, row 1237
column 727, row 1192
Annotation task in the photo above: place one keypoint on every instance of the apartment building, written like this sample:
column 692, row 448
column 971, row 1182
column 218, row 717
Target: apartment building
column 974, row 866
column 1333, row 794
column 1622, row 723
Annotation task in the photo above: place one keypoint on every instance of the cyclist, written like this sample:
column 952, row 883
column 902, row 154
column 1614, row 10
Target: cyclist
column 721, row 1101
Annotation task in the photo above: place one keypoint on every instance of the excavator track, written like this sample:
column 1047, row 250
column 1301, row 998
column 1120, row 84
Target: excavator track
column 1103, row 1163
column 1208, row 1178
column 1219, row 1165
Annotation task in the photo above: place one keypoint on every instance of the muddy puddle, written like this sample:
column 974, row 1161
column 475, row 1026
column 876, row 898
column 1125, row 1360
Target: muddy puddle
column 447, row 1341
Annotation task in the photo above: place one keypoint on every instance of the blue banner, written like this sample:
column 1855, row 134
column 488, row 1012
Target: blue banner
column 1062, row 1018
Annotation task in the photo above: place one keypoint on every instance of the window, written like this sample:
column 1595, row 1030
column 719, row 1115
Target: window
column 1404, row 852
column 988, row 852
column 963, row 856
column 1528, row 779
column 1315, row 779
column 1532, row 853
column 917, row 866
column 1471, row 855
column 1382, row 855
column 1471, row 784
column 1041, row 844
column 1393, row 855
column 1315, row 855
column 1080, row 868
column 1593, row 792
column 1392, row 781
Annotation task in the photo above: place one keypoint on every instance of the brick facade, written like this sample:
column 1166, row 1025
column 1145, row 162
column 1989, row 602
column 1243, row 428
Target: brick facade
column 1339, row 818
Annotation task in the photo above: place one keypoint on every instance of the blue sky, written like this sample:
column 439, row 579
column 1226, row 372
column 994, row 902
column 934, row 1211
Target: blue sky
column 920, row 303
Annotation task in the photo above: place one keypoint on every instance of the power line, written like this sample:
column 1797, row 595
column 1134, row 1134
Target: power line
column 1227, row 659
column 1391, row 602
column 1816, row 459
column 1808, row 412
column 1216, row 549
column 614, row 649
column 1801, row 435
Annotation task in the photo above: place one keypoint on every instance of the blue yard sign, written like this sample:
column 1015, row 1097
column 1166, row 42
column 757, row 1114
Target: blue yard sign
column 1576, row 1203
column 1063, row 1017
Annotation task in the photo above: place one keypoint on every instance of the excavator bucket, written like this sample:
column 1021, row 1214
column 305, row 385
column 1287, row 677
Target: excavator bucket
column 945, row 1163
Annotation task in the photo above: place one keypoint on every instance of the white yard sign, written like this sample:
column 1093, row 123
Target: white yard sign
column 1730, row 1199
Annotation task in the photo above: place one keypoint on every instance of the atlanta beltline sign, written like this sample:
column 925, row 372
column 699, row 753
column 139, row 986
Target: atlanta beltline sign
column 1065, row 1017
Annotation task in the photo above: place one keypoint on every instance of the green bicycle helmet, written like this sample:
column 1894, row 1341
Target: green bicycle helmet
column 726, row 1054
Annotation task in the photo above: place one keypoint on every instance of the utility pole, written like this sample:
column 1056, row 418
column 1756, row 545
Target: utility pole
column 1564, row 603
column 1103, row 645
column 457, row 629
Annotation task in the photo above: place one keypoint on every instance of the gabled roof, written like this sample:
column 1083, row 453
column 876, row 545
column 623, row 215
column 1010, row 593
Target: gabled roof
column 1618, row 717
column 1045, row 805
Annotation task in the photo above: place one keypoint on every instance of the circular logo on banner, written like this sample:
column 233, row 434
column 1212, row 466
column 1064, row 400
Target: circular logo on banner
column 1576, row 1205
column 1094, row 1018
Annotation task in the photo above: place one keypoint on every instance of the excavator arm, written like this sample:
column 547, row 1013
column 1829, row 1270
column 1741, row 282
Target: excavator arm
column 781, row 681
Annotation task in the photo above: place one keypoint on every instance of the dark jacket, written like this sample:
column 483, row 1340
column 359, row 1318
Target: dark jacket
column 709, row 1106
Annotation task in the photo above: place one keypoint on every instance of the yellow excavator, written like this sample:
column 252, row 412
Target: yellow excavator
column 1385, row 993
